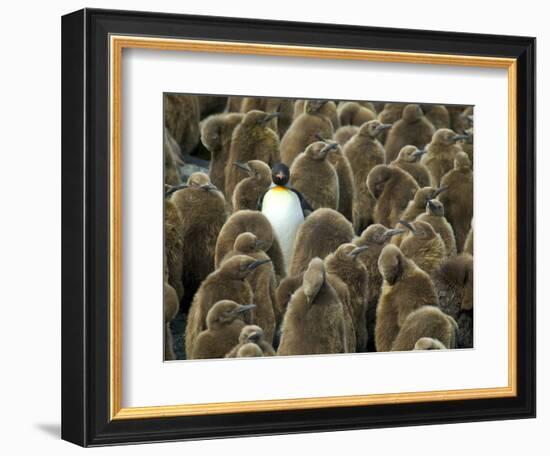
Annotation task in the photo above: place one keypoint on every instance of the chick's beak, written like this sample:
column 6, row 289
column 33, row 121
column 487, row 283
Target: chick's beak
column 242, row 309
column 271, row 115
column 244, row 166
column 257, row 264
column 355, row 252
column 408, row 225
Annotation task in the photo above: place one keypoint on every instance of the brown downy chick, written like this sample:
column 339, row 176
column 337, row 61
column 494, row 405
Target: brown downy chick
column 375, row 237
column 171, row 307
column 406, row 288
column 314, row 121
column 409, row 160
column 418, row 204
column 314, row 320
column 203, row 213
column 459, row 122
column 216, row 134
column 344, row 134
column 441, row 153
column 364, row 152
column 469, row 243
column 209, row 105
column 427, row 321
column 392, row 188
column 454, row 282
column 424, row 246
column 314, row 177
column 427, row 343
column 224, row 323
column 251, row 140
column 252, row 222
column 468, row 145
column 437, row 115
column 459, row 199
column 173, row 246
column 320, row 234
column 262, row 281
column 181, row 118
column 413, row 128
column 346, row 185
column 172, row 154
column 248, row 191
column 283, row 106
column 249, row 350
column 227, row 282
column 352, row 113
column 255, row 335
column 435, row 216
column 344, row 263
column 389, row 114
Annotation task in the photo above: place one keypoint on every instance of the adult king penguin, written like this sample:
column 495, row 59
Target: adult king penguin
column 285, row 208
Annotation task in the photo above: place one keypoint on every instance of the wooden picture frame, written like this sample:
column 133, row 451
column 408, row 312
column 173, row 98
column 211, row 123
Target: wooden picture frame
column 92, row 43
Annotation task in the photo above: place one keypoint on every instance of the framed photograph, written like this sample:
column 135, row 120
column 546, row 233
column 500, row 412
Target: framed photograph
column 268, row 227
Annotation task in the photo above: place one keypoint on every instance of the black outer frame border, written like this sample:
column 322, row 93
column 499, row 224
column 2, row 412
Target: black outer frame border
column 85, row 227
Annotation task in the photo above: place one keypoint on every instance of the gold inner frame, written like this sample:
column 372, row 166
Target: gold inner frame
column 117, row 44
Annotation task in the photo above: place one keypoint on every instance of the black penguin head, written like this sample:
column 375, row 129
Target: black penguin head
column 280, row 174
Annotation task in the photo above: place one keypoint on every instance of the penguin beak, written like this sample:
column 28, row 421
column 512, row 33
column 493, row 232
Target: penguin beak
column 431, row 205
column 208, row 187
column 355, row 252
column 381, row 128
column 243, row 166
column 439, row 191
column 456, row 138
column 393, row 232
column 408, row 225
column 270, row 116
column 257, row 264
column 261, row 245
column 255, row 336
column 419, row 152
column 325, row 150
column 320, row 138
column 244, row 308
column 168, row 189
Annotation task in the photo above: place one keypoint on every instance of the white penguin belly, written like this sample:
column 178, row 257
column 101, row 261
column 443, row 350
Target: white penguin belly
column 282, row 208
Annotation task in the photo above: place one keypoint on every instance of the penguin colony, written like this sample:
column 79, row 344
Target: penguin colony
column 316, row 227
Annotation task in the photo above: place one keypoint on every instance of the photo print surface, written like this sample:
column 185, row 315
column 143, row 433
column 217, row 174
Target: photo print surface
column 313, row 226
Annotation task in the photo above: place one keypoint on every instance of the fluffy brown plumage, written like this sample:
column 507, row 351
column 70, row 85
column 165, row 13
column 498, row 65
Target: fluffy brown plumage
column 284, row 107
column 364, row 152
column 427, row 343
column 412, row 129
column 393, row 188
column 251, row 140
column 406, row 288
column 227, row 282
column 320, row 234
column 424, row 246
column 345, row 264
column 409, row 160
column 313, row 122
column 459, row 198
column 248, row 191
column 437, row 115
column 314, row 320
column 203, row 213
column 224, row 323
column 454, row 282
column 344, row 134
column 435, row 216
column 346, row 185
column 314, row 177
column 441, row 153
column 172, row 154
column 262, row 281
column 255, row 335
column 253, row 222
column 375, row 237
column 427, row 321
column 173, row 246
column 353, row 113
column 469, row 243
column 216, row 134
column 181, row 118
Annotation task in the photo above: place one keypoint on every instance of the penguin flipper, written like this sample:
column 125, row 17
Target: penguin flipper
column 303, row 202
column 261, row 200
